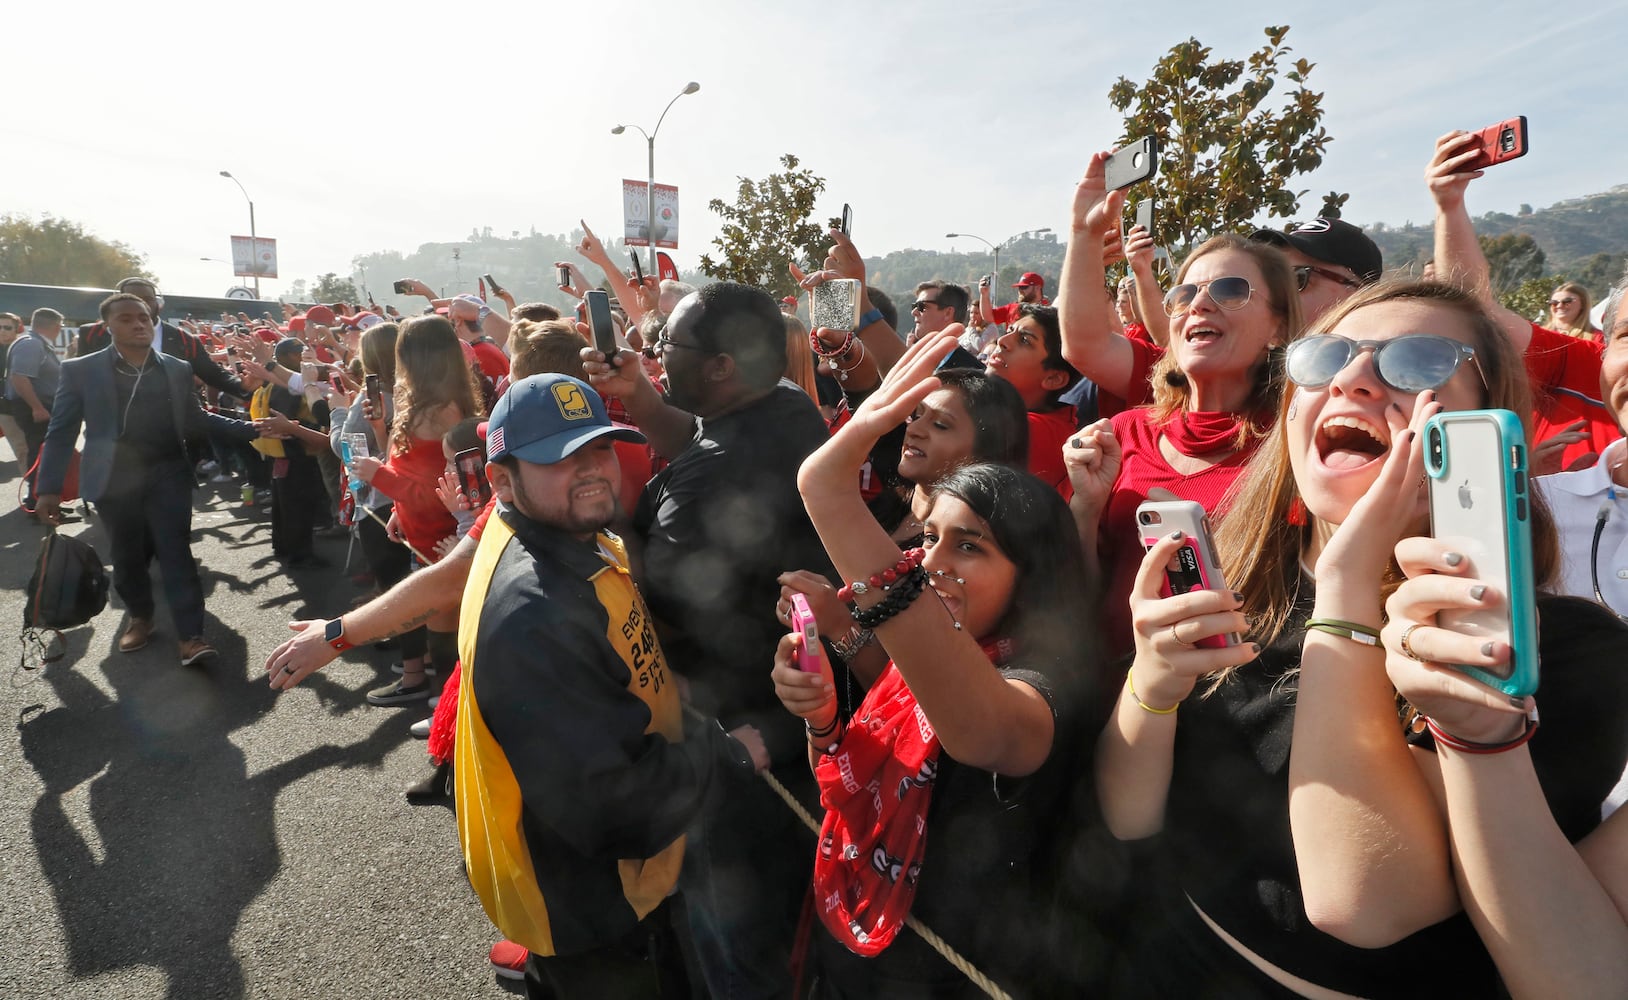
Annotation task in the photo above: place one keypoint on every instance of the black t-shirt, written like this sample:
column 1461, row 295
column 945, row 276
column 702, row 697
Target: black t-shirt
column 1227, row 841
column 985, row 877
column 720, row 524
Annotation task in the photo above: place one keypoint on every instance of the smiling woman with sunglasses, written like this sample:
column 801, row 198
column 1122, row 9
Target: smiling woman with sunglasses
column 1292, row 803
column 1569, row 307
column 1208, row 395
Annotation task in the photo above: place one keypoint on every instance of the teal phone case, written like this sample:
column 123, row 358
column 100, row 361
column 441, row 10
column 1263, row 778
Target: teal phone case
column 1479, row 502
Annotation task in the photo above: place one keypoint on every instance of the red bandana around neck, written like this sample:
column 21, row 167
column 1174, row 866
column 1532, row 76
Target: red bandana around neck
column 876, row 789
column 1196, row 434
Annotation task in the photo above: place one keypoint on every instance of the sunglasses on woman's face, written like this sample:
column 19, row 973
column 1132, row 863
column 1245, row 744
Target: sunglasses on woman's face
column 1228, row 293
column 1557, row 303
column 1410, row 363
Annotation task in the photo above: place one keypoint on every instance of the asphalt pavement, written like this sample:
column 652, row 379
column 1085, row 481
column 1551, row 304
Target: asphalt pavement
column 183, row 832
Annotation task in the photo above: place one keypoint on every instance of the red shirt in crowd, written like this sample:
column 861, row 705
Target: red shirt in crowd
column 1010, row 312
column 1565, row 374
column 494, row 364
column 1119, row 546
column 409, row 479
column 1047, row 432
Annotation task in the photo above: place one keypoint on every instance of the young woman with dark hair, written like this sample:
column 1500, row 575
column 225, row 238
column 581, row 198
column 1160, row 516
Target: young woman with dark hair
column 970, row 730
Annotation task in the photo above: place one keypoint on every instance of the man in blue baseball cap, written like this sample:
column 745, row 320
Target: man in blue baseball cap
column 576, row 778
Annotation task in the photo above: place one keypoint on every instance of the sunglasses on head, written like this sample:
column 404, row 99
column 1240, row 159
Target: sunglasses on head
column 1228, row 293
column 921, row 304
column 1303, row 273
column 1413, row 362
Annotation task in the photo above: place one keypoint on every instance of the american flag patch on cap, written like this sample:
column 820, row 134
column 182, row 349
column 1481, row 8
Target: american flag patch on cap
column 494, row 441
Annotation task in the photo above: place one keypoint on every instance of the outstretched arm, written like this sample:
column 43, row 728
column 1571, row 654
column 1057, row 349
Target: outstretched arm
column 1089, row 342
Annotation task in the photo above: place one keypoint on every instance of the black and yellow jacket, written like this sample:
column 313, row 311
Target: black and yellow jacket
column 575, row 781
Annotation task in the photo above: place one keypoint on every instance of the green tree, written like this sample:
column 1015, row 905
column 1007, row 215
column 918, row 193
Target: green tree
column 1226, row 152
column 767, row 228
column 1599, row 272
column 1530, row 298
column 331, row 287
column 56, row 251
column 1512, row 259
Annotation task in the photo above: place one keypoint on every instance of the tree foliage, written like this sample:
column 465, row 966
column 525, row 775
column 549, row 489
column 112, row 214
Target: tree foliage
column 1227, row 152
column 331, row 287
column 1530, row 298
column 1512, row 259
column 56, row 251
column 767, row 228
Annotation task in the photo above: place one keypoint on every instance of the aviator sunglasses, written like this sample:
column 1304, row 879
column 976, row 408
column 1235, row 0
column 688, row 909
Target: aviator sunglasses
column 1229, row 293
column 1413, row 362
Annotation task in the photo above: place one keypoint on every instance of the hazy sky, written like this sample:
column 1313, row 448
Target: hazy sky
column 370, row 126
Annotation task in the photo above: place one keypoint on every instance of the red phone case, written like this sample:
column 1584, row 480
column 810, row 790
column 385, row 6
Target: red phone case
column 1499, row 143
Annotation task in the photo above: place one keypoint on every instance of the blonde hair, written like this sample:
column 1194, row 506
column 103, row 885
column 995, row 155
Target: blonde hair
column 1584, row 326
column 1257, row 543
column 800, row 357
column 1171, row 391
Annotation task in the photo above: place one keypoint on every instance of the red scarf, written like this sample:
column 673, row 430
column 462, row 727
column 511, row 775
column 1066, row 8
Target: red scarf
column 876, row 789
column 1196, row 434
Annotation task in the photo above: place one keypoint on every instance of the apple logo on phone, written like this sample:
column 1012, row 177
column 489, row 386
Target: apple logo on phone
column 1465, row 496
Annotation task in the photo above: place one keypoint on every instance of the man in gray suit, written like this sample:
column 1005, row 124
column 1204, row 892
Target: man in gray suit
column 137, row 407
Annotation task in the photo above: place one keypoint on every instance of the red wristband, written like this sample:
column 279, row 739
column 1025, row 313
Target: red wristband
column 1446, row 739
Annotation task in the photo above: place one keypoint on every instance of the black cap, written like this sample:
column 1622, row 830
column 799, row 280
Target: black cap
column 1332, row 241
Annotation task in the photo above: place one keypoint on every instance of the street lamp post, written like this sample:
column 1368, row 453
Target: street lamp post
column 650, row 187
column 254, row 242
column 995, row 248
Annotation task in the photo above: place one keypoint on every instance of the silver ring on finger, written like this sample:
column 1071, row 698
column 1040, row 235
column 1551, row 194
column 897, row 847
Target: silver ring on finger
column 1178, row 638
column 1407, row 647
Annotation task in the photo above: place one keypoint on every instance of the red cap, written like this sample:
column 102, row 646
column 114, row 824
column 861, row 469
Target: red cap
column 1030, row 278
column 324, row 316
column 296, row 324
column 789, row 300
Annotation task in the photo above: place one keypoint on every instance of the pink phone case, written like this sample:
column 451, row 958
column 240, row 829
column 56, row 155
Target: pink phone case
column 802, row 619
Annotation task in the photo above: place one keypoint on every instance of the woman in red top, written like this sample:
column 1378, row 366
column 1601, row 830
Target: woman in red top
column 435, row 390
column 1234, row 302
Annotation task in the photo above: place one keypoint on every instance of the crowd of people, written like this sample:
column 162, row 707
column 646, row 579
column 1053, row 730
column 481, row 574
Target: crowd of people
column 1035, row 769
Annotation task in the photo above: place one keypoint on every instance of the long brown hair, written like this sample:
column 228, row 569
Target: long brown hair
column 430, row 373
column 800, row 357
column 1259, row 547
column 1171, row 391
column 379, row 352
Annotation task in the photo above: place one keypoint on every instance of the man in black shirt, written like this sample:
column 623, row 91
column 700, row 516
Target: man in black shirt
column 718, row 527
column 137, row 408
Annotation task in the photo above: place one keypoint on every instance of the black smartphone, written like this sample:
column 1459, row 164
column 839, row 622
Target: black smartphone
column 1144, row 215
column 1135, row 161
column 402, row 288
column 599, row 321
column 375, row 396
column 847, row 221
column 471, row 466
column 492, row 285
column 638, row 269
column 1499, row 143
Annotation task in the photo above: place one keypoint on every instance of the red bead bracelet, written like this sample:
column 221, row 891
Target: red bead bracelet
column 881, row 581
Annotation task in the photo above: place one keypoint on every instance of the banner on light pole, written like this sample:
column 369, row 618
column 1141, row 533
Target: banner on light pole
column 254, row 257
column 634, row 203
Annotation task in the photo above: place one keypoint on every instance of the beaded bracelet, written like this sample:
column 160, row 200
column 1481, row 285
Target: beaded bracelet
column 818, row 345
column 899, row 597
column 1354, row 631
column 908, row 561
column 1446, row 739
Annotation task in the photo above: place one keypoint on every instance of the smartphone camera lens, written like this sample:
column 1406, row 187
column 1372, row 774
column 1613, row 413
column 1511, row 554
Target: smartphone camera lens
column 1435, row 446
column 1506, row 140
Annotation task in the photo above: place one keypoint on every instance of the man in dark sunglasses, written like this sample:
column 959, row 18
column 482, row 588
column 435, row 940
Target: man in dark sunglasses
column 1331, row 260
column 938, row 304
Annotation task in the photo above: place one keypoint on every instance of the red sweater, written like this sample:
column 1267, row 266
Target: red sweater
column 1565, row 374
column 1119, row 549
column 409, row 480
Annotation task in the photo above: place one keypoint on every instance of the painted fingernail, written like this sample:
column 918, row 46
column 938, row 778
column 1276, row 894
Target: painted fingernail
column 1238, row 597
column 1517, row 700
column 1176, row 536
column 1255, row 647
column 1452, row 558
column 1486, row 649
column 1478, row 591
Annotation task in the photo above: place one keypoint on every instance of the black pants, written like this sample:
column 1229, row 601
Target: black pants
column 152, row 517
column 390, row 564
column 644, row 965
column 296, row 500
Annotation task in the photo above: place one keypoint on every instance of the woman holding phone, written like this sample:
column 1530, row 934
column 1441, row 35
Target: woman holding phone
column 1293, row 804
column 434, row 390
column 971, row 728
column 1209, row 394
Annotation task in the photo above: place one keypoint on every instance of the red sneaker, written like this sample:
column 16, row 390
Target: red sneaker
column 509, row 959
